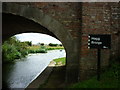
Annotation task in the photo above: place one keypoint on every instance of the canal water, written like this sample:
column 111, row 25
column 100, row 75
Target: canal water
column 24, row 71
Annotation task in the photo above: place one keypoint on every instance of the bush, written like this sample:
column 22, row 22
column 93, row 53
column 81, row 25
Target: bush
column 17, row 55
column 9, row 52
column 60, row 45
column 41, row 51
column 38, row 51
column 13, row 49
column 31, row 51
column 42, row 44
column 51, row 44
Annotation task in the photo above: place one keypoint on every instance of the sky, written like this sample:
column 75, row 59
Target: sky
column 37, row 38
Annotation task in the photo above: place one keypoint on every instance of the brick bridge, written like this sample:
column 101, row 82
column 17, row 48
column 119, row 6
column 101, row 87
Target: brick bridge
column 71, row 23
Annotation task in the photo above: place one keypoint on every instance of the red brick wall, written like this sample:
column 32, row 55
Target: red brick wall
column 98, row 18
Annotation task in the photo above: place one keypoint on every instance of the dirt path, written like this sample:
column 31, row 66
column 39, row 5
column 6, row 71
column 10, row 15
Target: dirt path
column 56, row 79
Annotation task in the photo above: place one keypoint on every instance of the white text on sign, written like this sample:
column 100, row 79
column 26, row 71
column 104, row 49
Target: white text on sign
column 98, row 43
column 94, row 38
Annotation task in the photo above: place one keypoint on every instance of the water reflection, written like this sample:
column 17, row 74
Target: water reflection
column 22, row 72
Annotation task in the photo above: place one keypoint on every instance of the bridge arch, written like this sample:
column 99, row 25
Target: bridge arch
column 23, row 18
column 50, row 25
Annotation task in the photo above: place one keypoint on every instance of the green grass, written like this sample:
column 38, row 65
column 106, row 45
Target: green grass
column 109, row 79
column 60, row 61
column 54, row 48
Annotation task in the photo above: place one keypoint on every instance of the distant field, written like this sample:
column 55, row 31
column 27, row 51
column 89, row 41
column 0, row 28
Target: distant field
column 33, row 47
column 47, row 47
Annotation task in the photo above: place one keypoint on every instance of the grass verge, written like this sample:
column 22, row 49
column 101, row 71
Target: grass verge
column 60, row 61
column 109, row 79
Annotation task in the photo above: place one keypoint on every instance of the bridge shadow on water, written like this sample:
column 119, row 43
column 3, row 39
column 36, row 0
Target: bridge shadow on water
column 51, row 77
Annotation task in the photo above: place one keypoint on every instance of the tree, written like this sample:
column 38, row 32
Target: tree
column 60, row 45
column 29, row 43
column 42, row 44
column 51, row 44
column 13, row 49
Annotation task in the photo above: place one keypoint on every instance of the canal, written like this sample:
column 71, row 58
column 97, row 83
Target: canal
column 25, row 70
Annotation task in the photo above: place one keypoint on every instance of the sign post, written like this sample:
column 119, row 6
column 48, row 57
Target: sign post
column 98, row 65
column 99, row 42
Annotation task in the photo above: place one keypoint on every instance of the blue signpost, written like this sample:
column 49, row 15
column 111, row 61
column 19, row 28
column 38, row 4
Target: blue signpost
column 98, row 41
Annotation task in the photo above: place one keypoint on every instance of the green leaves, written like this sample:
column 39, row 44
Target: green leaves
column 13, row 49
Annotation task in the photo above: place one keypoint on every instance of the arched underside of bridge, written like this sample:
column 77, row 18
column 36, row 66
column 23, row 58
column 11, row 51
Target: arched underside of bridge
column 22, row 19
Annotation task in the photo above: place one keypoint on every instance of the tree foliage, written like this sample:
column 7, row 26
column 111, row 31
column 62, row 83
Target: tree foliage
column 13, row 49
column 29, row 43
column 42, row 44
column 51, row 44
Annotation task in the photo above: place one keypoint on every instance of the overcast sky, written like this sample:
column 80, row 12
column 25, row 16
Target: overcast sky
column 37, row 38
